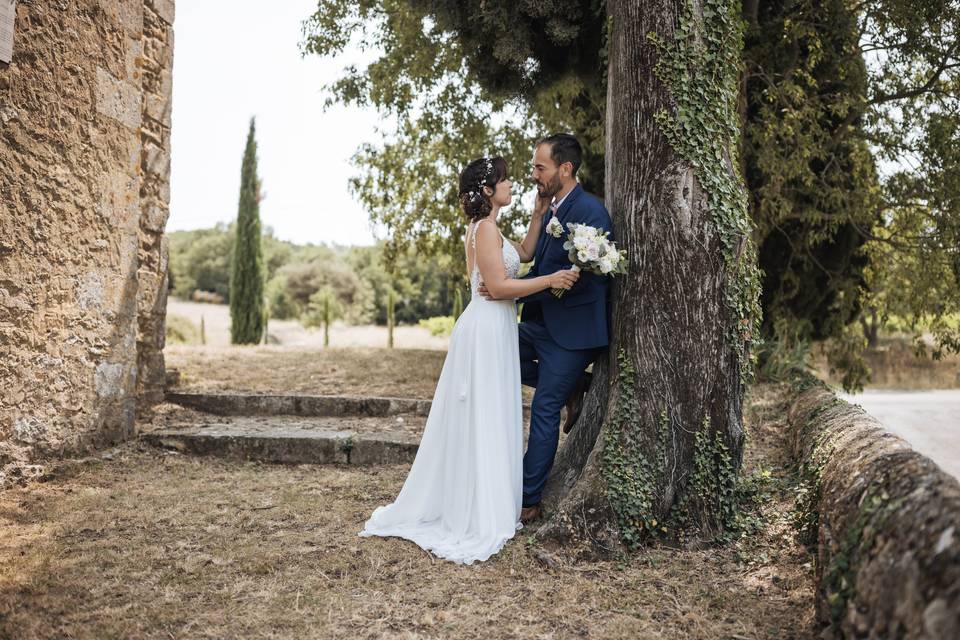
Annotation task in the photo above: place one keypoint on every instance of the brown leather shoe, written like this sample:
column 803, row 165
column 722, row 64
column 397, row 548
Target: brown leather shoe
column 575, row 402
column 529, row 514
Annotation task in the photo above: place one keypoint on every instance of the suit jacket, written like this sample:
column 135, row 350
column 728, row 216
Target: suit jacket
column 578, row 320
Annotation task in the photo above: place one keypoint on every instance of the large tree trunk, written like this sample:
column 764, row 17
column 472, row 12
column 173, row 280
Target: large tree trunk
column 659, row 447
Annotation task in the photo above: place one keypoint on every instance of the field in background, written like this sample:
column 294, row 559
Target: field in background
column 895, row 365
column 290, row 333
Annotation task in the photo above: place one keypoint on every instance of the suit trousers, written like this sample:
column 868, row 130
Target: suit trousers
column 553, row 371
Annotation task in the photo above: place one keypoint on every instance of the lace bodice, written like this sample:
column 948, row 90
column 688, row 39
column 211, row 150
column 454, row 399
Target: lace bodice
column 511, row 259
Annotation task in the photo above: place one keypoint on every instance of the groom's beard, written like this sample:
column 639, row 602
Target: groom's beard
column 550, row 189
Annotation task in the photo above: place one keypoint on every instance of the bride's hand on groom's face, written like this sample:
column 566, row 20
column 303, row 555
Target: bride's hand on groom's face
column 541, row 205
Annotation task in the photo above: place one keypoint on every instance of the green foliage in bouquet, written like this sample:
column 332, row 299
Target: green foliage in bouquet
column 609, row 260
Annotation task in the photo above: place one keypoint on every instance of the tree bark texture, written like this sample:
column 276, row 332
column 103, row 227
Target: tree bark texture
column 671, row 314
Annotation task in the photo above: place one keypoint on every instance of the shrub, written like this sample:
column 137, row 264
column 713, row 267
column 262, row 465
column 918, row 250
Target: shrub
column 180, row 330
column 211, row 297
column 438, row 325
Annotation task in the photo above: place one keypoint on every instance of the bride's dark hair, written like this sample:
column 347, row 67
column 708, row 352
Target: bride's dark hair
column 480, row 173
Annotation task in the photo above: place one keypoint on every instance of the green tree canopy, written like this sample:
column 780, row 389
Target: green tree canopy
column 839, row 102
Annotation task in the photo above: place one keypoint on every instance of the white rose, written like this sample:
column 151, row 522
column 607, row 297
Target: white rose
column 554, row 227
column 593, row 251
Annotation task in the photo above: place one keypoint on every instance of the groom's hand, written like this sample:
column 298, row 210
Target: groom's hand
column 484, row 293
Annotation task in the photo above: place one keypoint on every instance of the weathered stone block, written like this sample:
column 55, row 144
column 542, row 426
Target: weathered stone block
column 156, row 162
column 92, row 292
column 133, row 53
column 158, row 108
column 286, row 444
column 118, row 99
column 164, row 9
column 28, row 430
column 113, row 379
column 298, row 405
column 127, row 14
column 154, row 218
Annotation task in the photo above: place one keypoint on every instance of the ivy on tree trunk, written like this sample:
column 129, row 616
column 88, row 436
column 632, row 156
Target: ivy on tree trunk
column 658, row 447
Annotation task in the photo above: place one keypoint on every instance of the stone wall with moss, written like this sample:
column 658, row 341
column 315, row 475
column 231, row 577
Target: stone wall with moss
column 882, row 520
column 84, row 157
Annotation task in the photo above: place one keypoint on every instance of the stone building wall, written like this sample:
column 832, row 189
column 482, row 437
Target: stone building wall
column 156, row 67
column 84, row 193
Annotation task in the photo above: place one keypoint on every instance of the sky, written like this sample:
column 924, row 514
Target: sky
column 240, row 58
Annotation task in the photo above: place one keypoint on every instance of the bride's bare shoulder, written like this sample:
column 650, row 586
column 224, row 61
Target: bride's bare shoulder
column 489, row 231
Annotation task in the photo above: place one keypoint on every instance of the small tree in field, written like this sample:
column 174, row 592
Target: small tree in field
column 391, row 308
column 322, row 310
column 246, row 279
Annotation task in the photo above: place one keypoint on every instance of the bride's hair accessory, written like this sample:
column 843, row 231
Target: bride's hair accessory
column 480, row 173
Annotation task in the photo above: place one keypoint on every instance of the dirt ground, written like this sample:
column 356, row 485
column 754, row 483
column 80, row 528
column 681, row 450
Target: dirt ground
column 407, row 373
column 392, row 373
column 151, row 544
column 142, row 543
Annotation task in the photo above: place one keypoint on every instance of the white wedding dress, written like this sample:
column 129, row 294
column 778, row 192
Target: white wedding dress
column 462, row 497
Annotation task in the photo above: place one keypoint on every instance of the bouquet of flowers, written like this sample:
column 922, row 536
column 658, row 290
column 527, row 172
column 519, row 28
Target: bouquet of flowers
column 592, row 250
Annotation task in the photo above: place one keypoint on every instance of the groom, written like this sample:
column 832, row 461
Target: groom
column 559, row 338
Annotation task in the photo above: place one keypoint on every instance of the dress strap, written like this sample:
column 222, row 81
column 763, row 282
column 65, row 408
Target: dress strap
column 473, row 238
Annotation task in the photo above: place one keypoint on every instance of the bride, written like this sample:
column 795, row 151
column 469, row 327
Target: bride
column 462, row 497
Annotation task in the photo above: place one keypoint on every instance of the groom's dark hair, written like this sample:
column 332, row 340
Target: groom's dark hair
column 564, row 148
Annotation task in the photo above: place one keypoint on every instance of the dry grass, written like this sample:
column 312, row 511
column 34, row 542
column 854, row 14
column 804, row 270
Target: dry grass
column 159, row 545
column 290, row 333
column 895, row 365
column 409, row 373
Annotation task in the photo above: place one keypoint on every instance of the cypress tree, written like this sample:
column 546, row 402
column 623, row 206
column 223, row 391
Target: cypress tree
column 246, row 281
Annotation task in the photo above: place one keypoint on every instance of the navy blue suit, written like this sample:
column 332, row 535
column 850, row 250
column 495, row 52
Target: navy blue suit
column 559, row 338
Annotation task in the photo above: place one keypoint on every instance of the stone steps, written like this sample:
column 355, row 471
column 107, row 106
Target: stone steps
column 239, row 404
column 246, row 404
column 284, row 441
column 292, row 429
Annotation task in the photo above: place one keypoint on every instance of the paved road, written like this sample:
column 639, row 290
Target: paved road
column 928, row 420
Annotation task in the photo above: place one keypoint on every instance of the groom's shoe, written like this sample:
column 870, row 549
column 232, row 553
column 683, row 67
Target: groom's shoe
column 529, row 514
column 575, row 402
